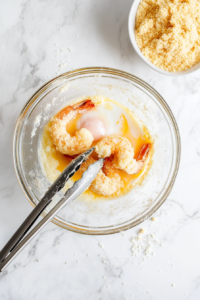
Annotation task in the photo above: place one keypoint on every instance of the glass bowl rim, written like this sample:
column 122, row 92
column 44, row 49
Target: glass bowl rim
column 122, row 75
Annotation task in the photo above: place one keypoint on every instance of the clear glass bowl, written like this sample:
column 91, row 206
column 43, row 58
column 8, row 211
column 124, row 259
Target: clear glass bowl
column 108, row 216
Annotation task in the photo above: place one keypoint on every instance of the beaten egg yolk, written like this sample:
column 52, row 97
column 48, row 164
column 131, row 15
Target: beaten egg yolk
column 98, row 130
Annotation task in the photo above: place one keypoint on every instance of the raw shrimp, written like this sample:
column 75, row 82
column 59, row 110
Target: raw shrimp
column 64, row 142
column 107, row 181
column 123, row 153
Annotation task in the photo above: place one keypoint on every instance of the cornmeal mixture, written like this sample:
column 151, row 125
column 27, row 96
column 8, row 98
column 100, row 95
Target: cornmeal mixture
column 168, row 33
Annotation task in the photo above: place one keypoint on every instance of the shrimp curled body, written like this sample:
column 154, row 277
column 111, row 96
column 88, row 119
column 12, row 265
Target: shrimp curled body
column 123, row 153
column 119, row 154
column 64, row 142
column 107, row 181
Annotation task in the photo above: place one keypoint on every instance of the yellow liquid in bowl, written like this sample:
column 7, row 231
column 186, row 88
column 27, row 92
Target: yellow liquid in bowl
column 124, row 124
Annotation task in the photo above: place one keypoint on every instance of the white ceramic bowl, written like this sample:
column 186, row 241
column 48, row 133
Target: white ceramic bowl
column 131, row 26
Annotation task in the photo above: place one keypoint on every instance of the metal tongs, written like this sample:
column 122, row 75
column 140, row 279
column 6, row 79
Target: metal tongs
column 23, row 234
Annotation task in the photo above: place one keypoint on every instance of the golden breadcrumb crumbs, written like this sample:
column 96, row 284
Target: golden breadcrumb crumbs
column 168, row 33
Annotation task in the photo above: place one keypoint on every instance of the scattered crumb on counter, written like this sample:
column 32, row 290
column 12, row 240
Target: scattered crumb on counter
column 141, row 231
column 143, row 245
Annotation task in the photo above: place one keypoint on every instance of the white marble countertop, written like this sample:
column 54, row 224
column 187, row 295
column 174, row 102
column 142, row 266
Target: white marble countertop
column 60, row 264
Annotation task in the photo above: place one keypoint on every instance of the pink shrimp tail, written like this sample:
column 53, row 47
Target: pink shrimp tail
column 144, row 151
column 84, row 106
column 79, row 108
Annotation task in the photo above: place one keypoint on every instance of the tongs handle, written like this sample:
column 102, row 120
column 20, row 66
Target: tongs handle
column 76, row 190
column 19, row 246
column 45, row 201
column 23, row 229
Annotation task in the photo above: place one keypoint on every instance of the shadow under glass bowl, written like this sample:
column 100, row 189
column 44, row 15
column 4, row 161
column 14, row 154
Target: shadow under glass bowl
column 108, row 216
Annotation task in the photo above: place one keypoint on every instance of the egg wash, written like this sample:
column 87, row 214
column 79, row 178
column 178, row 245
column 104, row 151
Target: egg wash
column 112, row 119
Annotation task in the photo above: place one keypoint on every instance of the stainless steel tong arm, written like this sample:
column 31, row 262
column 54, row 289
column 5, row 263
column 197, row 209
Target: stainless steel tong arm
column 19, row 240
